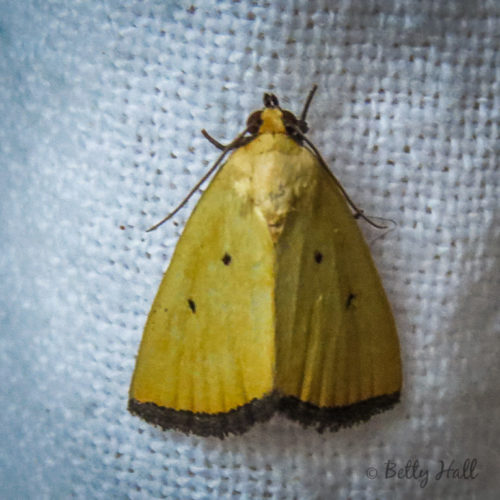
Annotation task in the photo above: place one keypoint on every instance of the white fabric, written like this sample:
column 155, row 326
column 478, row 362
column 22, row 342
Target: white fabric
column 101, row 106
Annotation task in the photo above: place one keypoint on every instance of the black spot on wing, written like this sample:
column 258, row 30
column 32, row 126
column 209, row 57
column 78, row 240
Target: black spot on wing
column 226, row 259
column 192, row 305
column 318, row 256
column 349, row 300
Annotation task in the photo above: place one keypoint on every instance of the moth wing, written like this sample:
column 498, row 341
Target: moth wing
column 208, row 344
column 336, row 338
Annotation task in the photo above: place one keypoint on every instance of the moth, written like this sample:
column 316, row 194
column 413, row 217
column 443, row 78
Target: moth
column 271, row 302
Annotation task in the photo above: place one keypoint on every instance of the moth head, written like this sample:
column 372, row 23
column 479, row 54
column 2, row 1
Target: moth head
column 273, row 119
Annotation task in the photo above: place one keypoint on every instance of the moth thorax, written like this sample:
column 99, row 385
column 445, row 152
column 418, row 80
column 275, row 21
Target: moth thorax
column 280, row 201
column 272, row 121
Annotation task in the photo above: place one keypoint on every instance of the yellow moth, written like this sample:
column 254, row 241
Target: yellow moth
column 271, row 301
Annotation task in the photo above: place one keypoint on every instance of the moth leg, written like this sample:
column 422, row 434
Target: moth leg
column 215, row 142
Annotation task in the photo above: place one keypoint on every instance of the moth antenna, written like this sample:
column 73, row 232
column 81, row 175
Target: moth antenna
column 235, row 143
column 305, row 109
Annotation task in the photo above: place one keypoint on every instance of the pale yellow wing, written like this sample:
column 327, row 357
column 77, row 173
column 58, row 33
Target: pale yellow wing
column 208, row 345
column 336, row 339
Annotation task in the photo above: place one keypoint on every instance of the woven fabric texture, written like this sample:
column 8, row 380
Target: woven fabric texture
column 101, row 106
